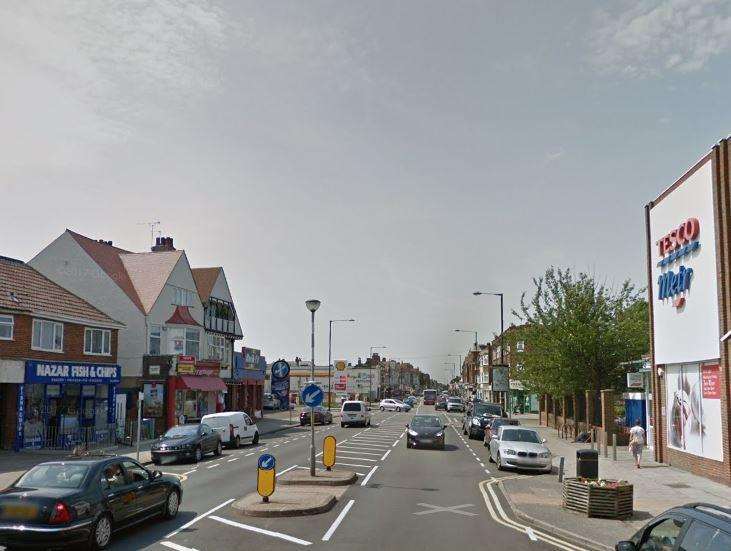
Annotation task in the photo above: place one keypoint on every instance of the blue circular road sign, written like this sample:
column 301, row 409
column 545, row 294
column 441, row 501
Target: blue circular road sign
column 312, row 395
column 280, row 369
column 267, row 461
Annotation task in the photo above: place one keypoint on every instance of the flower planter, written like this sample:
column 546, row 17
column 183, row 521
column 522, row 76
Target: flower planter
column 604, row 499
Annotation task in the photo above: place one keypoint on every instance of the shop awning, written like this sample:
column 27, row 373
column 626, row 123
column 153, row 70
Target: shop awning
column 208, row 384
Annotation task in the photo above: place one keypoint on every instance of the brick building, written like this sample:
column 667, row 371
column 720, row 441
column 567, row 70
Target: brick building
column 58, row 364
column 688, row 228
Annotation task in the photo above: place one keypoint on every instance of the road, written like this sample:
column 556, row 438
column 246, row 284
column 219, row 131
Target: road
column 404, row 497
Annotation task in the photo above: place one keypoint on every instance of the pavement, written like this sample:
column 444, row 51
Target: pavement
column 657, row 487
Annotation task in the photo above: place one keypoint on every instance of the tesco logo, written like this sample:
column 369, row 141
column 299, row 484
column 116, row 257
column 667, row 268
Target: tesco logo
column 679, row 242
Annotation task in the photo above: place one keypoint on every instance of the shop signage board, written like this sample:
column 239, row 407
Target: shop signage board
column 635, row 380
column 280, row 382
column 500, row 381
column 186, row 365
column 42, row 372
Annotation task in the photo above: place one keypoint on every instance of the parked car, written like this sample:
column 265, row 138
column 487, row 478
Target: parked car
column 271, row 402
column 494, row 424
column 354, row 412
column 454, row 404
column 692, row 527
column 519, row 448
column 80, row 503
column 322, row 416
column 477, row 417
column 425, row 431
column 410, row 400
column 234, row 427
column 441, row 403
column 391, row 404
column 186, row 442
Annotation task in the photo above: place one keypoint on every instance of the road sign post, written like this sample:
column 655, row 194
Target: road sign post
column 329, row 445
column 266, row 476
column 312, row 396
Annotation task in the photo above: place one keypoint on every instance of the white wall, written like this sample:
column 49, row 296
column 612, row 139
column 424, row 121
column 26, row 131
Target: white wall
column 67, row 264
column 689, row 333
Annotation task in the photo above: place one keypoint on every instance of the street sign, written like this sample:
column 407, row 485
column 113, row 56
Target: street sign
column 328, row 451
column 266, row 476
column 312, row 395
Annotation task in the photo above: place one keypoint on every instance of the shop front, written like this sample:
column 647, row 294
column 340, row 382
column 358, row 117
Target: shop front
column 196, row 390
column 64, row 404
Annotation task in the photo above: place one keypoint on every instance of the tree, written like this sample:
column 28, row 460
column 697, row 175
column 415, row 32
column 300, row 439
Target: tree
column 578, row 331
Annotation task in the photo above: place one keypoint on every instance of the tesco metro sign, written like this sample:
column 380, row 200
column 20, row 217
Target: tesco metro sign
column 676, row 245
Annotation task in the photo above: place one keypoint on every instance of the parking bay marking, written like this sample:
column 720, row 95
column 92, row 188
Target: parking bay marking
column 199, row 517
column 279, row 535
column 439, row 509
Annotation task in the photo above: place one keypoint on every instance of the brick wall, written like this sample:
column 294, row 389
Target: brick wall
column 73, row 344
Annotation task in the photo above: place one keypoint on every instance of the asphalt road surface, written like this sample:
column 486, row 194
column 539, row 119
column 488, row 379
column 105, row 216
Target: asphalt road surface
column 404, row 498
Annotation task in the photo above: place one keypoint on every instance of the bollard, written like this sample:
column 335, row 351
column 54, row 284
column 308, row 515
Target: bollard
column 614, row 446
column 560, row 469
column 604, row 445
column 592, row 437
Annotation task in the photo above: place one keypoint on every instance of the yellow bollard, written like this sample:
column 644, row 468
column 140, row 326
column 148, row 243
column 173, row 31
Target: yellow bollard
column 328, row 451
column 266, row 476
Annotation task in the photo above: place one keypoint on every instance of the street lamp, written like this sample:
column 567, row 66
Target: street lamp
column 370, row 371
column 453, row 367
column 468, row 331
column 312, row 306
column 460, row 361
column 330, row 360
column 502, row 339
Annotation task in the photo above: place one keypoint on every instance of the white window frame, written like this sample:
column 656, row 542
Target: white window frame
column 216, row 347
column 5, row 323
column 56, row 326
column 157, row 336
column 106, row 340
column 183, row 297
column 189, row 340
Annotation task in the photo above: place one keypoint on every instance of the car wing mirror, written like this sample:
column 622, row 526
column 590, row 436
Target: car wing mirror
column 156, row 474
column 625, row 546
column 444, row 427
column 543, row 441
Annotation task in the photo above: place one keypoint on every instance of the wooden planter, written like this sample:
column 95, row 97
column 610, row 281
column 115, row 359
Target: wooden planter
column 595, row 501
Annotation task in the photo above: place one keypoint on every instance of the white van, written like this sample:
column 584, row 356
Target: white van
column 353, row 412
column 234, row 427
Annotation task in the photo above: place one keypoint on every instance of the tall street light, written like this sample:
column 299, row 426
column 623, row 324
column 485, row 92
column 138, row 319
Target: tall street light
column 460, row 361
column 468, row 331
column 330, row 360
column 312, row 306
column 502, row 339
column 453, row 367
column 370, row 372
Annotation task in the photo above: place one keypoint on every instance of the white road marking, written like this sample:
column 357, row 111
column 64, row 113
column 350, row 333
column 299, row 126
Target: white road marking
column 530, row 533
column 233, row 459
column 385, row 455
column 261, row 531
column 487, row 471
column 196, row 519
column 336, row 523
column 351, row 458
column 482, row 464
column 351, row 464
column 275, row 446
column 357, row 450
column 368, row 476
column 189, row 472
column 248, row 454
column 213, row 466
column 175, row 546
column 287, row 469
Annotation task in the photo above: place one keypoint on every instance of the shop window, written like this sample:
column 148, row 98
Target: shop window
column 192, row 342
column 97, row 342
column 155, row 340
column 47, row 336
column 7, row 325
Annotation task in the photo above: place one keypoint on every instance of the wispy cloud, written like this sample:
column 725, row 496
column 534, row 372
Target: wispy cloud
column 653, row 37
column 552, row 156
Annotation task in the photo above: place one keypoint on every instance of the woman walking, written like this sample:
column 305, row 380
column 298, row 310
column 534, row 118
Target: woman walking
column 636, row 442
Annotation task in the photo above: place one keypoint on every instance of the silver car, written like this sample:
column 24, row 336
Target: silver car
column 519, row 448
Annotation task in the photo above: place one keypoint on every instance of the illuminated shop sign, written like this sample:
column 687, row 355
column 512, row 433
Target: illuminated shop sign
column 678, row 244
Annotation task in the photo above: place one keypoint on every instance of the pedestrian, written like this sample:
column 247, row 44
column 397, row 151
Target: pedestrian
column 636, row 441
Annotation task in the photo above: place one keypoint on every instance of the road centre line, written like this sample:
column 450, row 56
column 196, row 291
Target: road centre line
column 177, row 547
column 395, row 443
column 233, row 459
column 261, row 530
column 368, row 476
column 248, row 454
column 213, row 466
column 199, row 517
column 189, row 472
column 286, row 470
column 336, row 523
column 385, row 455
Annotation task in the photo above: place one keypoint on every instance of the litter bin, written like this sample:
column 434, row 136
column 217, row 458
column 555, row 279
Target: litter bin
column 587, row 464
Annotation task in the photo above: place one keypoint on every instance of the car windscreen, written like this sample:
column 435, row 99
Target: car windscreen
column 352, row 406
column 181, row 431
column 426, row 421
column 512, row 435
column 487, row 409
column 54, row 476
column 455, row 400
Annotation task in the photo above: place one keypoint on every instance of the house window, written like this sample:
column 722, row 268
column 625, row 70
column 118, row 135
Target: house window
column 192, row 342
column 183, row 297
column 7, row 323
column 97, row 341
column 216, row 347
column 47, row 336
column 520, row 346
column 155, row 340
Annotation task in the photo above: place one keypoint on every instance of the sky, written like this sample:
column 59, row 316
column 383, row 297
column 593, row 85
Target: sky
column 387, row 158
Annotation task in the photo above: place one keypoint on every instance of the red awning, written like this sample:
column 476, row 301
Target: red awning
column 207, row 384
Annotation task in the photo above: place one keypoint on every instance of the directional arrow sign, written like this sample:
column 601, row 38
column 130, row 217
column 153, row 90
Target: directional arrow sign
column 312, row 395
column 266, row 461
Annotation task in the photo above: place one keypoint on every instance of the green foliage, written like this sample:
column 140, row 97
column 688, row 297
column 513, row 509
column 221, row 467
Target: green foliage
column 577, row 332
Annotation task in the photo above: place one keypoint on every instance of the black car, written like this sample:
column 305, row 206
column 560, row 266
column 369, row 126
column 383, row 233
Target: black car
column 478, row 414
column 425, row 431
column 322, row 416
column 696, row 526
column 441, row 403
column 78, row 504
column 190, row 442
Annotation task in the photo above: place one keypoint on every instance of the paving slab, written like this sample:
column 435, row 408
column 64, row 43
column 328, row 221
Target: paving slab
column 322, row 477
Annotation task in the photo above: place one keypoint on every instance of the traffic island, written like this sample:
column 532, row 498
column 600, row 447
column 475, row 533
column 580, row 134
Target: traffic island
column 322, row 478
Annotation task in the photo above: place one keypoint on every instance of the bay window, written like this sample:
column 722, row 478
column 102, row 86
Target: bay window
column 97, row 341
column 47, row 336
column 216, row 347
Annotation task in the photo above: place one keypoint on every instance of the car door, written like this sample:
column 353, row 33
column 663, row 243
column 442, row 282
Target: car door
column 148, row 494
column 247, row 429
column 117, row 493
column 663, row 534
column 494, row 443
column 207, row 439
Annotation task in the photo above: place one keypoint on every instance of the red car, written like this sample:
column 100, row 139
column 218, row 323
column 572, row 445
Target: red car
column 322, row 416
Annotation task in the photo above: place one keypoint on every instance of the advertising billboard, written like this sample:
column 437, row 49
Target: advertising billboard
column 500, row 378
column 280, row 382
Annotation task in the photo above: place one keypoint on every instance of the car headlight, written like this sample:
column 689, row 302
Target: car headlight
column 509, row 452
column 413, row 433
column 544, row 455
column 476, row 422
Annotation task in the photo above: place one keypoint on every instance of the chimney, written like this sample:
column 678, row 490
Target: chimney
column 163, row 244
column 103, row 242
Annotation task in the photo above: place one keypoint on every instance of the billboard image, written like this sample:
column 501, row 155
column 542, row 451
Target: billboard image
column 280, row 382
column 694, row 409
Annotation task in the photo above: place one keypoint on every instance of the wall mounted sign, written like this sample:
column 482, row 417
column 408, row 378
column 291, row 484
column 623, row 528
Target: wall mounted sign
column 40, row 372
column 675, row 245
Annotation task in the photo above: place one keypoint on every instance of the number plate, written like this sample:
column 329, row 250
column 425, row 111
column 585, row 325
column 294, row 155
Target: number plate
column 19, row 511
column 426, row 441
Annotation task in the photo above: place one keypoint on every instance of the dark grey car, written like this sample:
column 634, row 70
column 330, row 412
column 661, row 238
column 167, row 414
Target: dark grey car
column 190, row 442
column 425, row 431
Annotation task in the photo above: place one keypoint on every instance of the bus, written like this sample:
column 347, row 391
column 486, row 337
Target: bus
column 430, row 397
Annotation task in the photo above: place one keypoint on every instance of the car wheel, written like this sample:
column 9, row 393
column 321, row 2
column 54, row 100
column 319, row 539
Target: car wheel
column 218, row 448
column 255, row 440
column 464, row 430
column 499, row 463
column 198, row 454
column 342, row 425
column 398, row 408
column 101, row 534
column 172, row 504
column 237, row 443
column 382, row 408
column 408, row 445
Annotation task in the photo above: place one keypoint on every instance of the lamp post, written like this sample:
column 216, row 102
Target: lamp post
column 330, row 361
column 453, row 367
column 312, row 306
column 370, row 371
column 502, row 341
column 468, row 331
column 460, row 361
